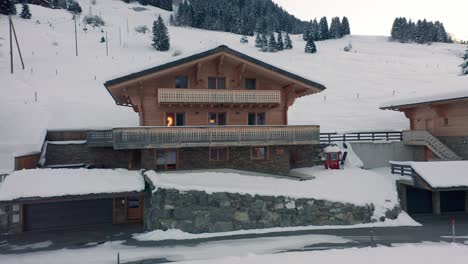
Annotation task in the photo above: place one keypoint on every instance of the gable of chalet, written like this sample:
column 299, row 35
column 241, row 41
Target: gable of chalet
column 294, row 85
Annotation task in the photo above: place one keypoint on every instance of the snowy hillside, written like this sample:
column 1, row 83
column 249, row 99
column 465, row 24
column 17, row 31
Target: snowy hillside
column 71, row 94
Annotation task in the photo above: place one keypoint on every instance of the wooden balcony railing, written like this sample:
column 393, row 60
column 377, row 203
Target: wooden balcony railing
column 172, row 137
column 206, row 96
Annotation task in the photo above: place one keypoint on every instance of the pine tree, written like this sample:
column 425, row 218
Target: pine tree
column 464, row 65
column 25, row 13
column 310, row 46
column 323, row 29
column 335, row 28
column 442, row 34
column 419, row 32
column 172, row 21
column 279, row 42
column 307, row 32
column 314, row 30
column 264, row 47
column 345, row 29
column 161, row 40
column 7, row 7
column 272, row 46
column 258, row 41
column 288, row 42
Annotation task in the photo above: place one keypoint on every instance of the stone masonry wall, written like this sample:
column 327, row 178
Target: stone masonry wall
column 458, row 144
column 199, row 212
column 279, row 159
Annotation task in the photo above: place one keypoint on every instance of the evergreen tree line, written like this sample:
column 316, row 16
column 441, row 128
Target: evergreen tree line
column 320, row 31
column 421, row 32
column 272, row 44
column 163, row 4
column 237, row 16
column 7, row 7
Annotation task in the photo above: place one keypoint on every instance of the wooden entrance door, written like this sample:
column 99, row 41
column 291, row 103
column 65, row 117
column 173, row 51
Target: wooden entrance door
column 134, row 208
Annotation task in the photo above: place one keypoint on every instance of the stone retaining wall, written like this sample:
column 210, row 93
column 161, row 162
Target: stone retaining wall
column 457, row 144
column 199, row 212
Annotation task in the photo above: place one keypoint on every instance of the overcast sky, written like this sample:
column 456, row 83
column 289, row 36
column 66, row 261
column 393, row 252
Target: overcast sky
column 375, row 17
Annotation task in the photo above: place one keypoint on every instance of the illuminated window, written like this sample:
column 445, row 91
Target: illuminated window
column 217, row 119
column 250, row 84
column 218, row 154
column 256, row 119
column 217, row 83
column 175, row 119
column 181, row 82
column 259, row 153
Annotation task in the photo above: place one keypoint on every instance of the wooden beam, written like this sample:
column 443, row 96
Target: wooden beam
column 240, row 70
column 220, row 64
column 198, row 69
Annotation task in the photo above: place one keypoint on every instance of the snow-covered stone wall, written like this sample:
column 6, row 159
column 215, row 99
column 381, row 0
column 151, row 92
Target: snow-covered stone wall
column 200, row 212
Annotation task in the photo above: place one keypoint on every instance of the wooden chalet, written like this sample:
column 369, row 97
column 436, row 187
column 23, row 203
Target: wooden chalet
column 215, row 109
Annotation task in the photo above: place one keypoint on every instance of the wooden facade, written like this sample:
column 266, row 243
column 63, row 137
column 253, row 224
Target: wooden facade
column 155, row 96
column 442, row 119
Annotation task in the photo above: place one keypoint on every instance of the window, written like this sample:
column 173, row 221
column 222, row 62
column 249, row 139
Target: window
column 175, row 119
column 256, row 119
column 259, row 153
column 217, row 83
column 133, row 202
column 217, row 119
column 166, row 159
column 218, row 154
column 446, row 122
column 181, row 82
column 250, row 84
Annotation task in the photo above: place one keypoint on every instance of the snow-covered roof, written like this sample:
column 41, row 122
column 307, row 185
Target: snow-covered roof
column 178, row 60
column 332, row 149
column 441, row 174
column 46, row 183
column 439, row 97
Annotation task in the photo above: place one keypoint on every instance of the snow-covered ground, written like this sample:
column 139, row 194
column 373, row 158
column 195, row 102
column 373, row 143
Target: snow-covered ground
column 70, row 92
column 175, row 234
column 257, row 251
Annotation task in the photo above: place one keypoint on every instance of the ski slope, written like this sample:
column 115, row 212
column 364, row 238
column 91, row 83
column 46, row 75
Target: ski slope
column 70, row 91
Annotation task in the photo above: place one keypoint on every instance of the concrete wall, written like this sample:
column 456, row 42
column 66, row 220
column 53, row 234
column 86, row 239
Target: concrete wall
column 199, row 212
column 375, row 155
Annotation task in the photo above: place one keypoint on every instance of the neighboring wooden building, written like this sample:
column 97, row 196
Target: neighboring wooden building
column 215, row 109
column 440, row 123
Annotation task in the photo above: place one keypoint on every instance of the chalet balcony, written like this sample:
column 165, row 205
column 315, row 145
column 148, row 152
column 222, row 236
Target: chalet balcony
column 176, row 137
column 268, row 98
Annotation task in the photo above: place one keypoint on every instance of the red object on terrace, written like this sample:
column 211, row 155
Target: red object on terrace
column 332, row 160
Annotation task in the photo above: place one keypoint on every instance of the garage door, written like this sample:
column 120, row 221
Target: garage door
column 67, row 214
column 453, row 201
column 418, row 201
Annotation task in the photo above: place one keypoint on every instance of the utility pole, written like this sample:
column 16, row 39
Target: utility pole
column 76, row 38
column 120, row 36
column 11, row 45
column 107, row 45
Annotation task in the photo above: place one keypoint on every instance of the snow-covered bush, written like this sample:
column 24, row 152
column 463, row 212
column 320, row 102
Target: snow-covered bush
column 94, row 20
column 176, row 53
column 141, row 29
column 244, row 40
column 348, row 48
column 74, row 7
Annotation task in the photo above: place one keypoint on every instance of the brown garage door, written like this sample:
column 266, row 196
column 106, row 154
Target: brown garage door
column 67, row 214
